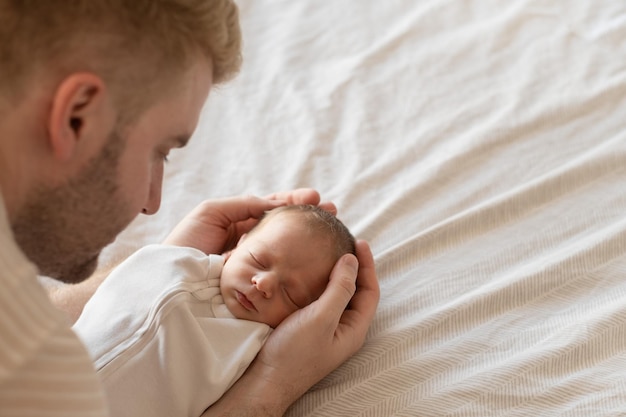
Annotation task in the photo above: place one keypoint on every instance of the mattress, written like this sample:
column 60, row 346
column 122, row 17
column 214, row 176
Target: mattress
column 479, row 146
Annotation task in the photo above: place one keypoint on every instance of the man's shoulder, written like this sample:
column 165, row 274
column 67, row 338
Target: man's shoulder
column 42, row 360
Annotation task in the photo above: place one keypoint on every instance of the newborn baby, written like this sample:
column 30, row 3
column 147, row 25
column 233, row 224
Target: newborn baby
column 171, row 329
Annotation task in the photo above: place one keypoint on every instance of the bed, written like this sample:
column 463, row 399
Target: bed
column 480, row 147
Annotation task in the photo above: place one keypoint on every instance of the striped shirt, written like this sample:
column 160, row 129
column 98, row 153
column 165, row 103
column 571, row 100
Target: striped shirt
column 44, row 368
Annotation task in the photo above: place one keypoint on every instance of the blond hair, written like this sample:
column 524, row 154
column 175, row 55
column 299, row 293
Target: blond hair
column 136, row 46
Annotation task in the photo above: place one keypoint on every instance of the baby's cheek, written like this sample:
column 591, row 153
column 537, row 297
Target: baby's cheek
column 290, row 309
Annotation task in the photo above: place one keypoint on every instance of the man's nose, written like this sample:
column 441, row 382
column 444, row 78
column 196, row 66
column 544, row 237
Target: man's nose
column 154, row 196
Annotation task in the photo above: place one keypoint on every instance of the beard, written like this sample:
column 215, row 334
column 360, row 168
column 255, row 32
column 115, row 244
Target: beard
column 63, row 229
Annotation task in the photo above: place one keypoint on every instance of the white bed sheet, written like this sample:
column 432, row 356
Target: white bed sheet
column 480, row 147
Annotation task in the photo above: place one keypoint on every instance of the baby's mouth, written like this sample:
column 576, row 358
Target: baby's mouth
column 243, row 300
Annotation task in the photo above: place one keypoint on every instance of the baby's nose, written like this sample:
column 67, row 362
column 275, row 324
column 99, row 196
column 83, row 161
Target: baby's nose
column 264, row 283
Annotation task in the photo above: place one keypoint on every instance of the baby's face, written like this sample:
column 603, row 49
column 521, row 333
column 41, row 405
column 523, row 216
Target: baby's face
column 276, row 270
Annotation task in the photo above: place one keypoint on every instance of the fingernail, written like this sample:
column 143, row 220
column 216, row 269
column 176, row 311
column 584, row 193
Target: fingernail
column 352, row 262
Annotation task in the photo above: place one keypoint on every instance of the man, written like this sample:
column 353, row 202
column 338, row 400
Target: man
column 93, row 96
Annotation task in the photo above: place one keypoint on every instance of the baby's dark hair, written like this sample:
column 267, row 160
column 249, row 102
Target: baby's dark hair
column 322, row 221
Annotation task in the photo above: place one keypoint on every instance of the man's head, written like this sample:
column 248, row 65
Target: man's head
column 93, row 96
column 138, row 47
column 283, row 264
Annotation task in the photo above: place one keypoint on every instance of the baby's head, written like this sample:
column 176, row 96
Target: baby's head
column 283, row 264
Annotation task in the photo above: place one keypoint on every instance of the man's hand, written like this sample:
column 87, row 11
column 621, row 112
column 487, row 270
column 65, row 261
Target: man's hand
column 309, row 344
column 215, row 226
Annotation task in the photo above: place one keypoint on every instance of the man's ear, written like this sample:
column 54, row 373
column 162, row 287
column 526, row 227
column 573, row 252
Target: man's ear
column 78, row 113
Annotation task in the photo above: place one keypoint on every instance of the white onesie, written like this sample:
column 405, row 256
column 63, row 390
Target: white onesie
column 161, row 337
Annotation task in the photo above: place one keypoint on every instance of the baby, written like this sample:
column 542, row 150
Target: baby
column 283, row 264
column 161, row 327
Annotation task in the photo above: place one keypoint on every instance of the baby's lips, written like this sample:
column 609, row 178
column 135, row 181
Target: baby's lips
column 245, row 302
